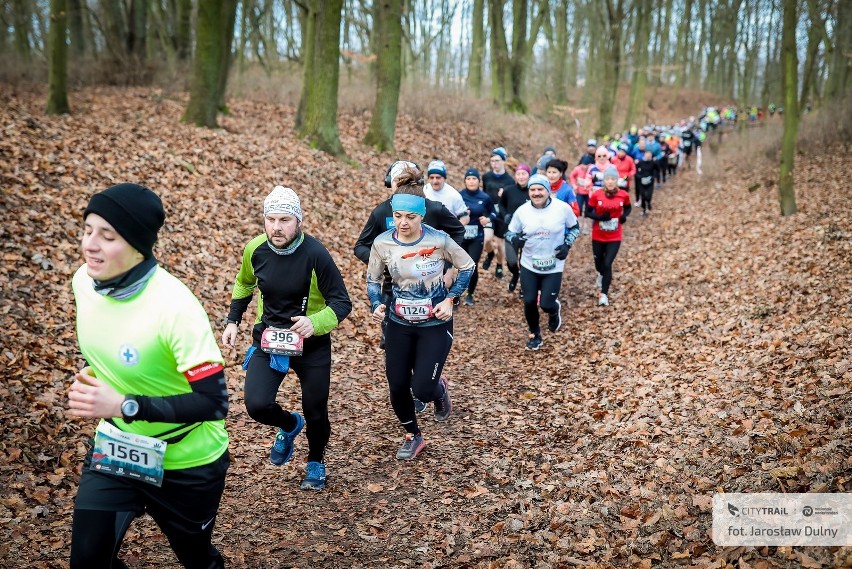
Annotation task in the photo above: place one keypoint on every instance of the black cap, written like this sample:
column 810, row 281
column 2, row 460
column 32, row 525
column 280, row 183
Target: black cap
column 134, row 211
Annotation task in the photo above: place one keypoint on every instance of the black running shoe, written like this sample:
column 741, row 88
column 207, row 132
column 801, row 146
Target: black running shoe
column 554, row 321
column 486, row 264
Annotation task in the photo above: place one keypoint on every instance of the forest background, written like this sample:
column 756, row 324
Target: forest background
column 724, row 365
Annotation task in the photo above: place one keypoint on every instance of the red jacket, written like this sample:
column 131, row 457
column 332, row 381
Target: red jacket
column 626, row 168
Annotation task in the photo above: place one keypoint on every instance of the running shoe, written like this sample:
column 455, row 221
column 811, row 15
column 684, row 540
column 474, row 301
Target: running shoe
column 586, row 231
column 411, row 446
column 443, row 406
column 599, row 281
column 282, row 448
column 419, row 406
column 638, row 203
column 603, row 300
column 486, row 264
column 498, row 272
column 314, row 476
column 468, row 300
column 534, row 342
column 513, row 283
column 554, row 321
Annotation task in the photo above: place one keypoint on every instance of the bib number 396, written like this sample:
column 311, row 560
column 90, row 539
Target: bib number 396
column 282, row 341
column 131, row 455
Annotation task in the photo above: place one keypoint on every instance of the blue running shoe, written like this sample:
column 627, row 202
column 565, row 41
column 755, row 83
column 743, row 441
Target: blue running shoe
column 314, row 476
column 282, row 448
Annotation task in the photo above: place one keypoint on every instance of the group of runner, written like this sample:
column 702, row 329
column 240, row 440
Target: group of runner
column 156, row 379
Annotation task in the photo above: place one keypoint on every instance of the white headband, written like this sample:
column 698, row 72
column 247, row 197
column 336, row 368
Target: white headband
column 283, row 200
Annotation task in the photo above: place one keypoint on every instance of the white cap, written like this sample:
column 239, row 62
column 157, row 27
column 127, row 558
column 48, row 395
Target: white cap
column 399, row 167
column 283, row 200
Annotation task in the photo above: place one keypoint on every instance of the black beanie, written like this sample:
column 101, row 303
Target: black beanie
column 134, row 211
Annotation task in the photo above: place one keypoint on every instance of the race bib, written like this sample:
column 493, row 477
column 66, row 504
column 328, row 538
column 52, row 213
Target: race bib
column 390, row 223
column 599, row 176
column 128, row 454
column 687, row 143
column 609, row 225
column 646, row 180
column 622, row 183
column 672, row 159
column 471, row 231
column 282, row 341
column 543, row 264
column 582, row 181
column 414, row 309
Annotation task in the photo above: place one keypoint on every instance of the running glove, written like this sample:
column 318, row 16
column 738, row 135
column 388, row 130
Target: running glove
column 562, row 252
column 622, row 219
column 518, row 241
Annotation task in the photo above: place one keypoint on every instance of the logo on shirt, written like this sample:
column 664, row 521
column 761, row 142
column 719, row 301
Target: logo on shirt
column 128, row 355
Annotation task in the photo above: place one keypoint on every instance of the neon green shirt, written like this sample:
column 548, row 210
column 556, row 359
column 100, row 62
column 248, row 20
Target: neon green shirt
column 143, row 346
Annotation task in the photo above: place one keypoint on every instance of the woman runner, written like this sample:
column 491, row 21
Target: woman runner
column 482, row 215
column 609, row 208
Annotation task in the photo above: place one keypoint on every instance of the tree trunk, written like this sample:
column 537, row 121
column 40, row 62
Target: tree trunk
column 229, row 17
column 388, row 27
column 840, row 71
column 640, row 62
column 210, row 61
column 500, row 72
column 183, row 29
column 317, row 119
column 57, row 95
column 518, row 62
column 611, row 65
column 574, row 61
column 683, row 39
column 561, row 58
column 786, row 192
column 662, row 56
column 115, row 34
column 75, row 28
column 136, row 38
column 21, row 18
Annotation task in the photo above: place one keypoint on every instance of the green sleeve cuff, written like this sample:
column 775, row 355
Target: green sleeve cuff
column 324, row 321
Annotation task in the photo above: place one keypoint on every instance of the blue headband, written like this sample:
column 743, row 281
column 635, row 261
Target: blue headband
column 408, row 202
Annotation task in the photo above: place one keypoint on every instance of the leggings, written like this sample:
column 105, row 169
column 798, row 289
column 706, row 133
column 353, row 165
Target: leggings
column 474, row 249
column 512, row 259
column 261, row 389
column 605, row 252
column 664, row 165
column 646, row 194
column 414, row 359
column 184, row 508
column 549, row 285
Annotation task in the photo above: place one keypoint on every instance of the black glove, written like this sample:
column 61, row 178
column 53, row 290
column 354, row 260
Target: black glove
column 622, row 219
column 605, row 216
column 518, row 241
column 507, row 219
column 562, row 252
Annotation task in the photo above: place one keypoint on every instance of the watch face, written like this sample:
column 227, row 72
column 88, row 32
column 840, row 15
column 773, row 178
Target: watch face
column 130, row 407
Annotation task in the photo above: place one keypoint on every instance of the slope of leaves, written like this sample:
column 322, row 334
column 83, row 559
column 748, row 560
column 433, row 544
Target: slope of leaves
column 722, row 365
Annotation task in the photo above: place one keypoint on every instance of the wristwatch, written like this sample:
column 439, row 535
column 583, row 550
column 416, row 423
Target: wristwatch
column 129, row 408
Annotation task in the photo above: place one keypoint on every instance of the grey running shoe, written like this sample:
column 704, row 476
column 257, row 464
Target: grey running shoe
column 443, row 406
column 411, row 446
column 419, row 406
column 468, row 300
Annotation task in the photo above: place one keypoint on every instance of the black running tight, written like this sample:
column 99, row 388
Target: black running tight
column 605, row 252
column 474, row 249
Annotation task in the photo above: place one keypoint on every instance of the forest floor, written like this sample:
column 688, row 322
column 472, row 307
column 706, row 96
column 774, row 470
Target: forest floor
column 722, row 364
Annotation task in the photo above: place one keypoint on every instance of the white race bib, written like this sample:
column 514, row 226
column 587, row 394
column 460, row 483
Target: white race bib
column 282, row 341
column 646, row 180
column 609, row 225
column 471, row 231
column 543, row 263
column 134, row 456
column 414, row 309
column 687, row 143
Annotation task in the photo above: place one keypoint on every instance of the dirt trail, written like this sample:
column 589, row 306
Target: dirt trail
column 722, row 363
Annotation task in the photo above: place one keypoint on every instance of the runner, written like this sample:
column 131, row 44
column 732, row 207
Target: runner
column 609, row 208
column 482, row 215
column 303, row 298
column 513, row 198
column 153, row 371
column 591, row 148
column 494, row 183
column 647, row 170
column 545, row 228
column 440, row 191
column 578, row 179
column 688, row 141
column 420, row 327
column 559, row 188
column 626, row 168
column 541, row 163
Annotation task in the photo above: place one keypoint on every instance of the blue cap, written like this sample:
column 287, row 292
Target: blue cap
column 472, row 172
column 500, row 151
column 539, row 180
column 408, row 202
column 437, row 167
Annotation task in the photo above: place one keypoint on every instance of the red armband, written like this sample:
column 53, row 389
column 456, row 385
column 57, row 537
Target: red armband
column 201, row 371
